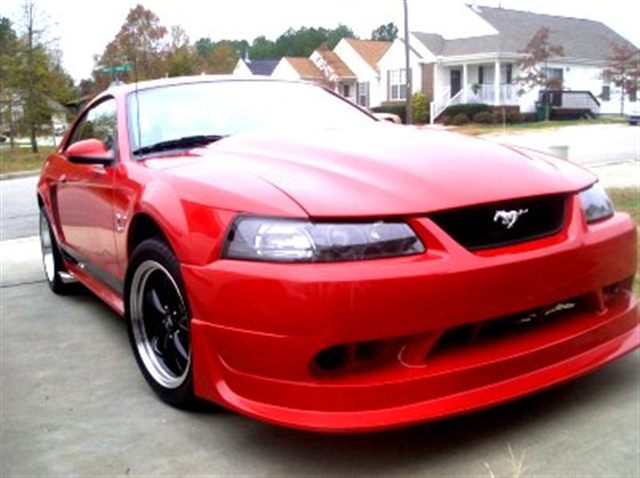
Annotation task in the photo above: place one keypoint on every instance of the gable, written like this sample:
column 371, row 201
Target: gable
column 370, row 51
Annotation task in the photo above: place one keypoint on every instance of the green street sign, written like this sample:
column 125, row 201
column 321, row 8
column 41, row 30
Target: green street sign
column 116, row 69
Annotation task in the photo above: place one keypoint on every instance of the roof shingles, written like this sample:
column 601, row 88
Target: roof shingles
column 370, row 51
column 581, row 39
column 335, row 63
column 305, row 68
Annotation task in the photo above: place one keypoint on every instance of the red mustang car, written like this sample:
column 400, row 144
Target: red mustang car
column 276, row 250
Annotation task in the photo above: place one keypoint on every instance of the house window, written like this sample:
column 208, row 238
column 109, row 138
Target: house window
column 554, row 78
column 508, row 73
column 605, row 95
column 554, row 72
column 633, row 96
column 363, row 94
column 346, row 91
column 481, row 75
column 398, row 84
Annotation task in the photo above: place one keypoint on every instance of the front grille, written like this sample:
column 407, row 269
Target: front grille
column 500, row 224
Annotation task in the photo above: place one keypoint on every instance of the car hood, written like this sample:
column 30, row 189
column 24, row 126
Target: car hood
column 387, row 170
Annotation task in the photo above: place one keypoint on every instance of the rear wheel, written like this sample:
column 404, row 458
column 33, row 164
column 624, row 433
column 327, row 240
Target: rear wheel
column 158, row 320
column 55, row 272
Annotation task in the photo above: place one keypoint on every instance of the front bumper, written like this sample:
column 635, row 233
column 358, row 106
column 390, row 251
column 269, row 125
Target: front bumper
column 412, row 329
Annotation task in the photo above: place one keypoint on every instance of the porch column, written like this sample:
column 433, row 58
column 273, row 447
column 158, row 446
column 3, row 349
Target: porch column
column 464, row 83
column 436, row 89
column 496, row 84
column 433, row 110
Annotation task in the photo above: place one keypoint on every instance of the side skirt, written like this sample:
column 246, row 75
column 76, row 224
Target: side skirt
column 108, row 288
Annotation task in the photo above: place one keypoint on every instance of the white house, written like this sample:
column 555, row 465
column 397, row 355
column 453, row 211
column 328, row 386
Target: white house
column 362, row 57
column 393, row 69
column 338, row 76
column 351, row 69
column 323, row 66
column 483, row 67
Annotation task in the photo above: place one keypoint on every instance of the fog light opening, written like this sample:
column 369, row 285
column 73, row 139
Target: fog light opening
column 333, row 358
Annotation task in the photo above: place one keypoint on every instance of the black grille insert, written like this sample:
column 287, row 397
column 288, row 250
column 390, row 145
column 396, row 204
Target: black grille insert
column 500, row 224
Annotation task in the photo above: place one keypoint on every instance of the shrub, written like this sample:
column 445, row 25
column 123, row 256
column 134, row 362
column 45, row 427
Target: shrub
column 460, row 119
column 420, row 108
column 396, row 109
column 469, row 109
column 485, row 117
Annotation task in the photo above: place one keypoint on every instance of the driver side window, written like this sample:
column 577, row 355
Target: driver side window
column 98, row 123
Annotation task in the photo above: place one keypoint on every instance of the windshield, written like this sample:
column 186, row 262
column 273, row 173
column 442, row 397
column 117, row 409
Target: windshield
column 218, row 109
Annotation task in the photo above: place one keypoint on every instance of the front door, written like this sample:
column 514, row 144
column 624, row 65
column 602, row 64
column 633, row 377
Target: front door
column 455, row 77
column 85, row 195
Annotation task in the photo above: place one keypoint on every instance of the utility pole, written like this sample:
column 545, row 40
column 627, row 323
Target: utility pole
column 409, row 109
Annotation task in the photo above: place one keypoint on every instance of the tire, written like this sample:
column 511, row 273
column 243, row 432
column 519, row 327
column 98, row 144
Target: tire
column 60, row 282
column 158, row 320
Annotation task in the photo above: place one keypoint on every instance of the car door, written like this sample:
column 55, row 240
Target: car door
column 84, row 197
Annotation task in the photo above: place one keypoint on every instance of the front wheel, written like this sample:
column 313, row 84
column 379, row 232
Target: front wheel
column 55, row 272
column 158, row 320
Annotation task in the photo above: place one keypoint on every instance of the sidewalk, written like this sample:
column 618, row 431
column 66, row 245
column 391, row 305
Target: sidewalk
column 21, row 262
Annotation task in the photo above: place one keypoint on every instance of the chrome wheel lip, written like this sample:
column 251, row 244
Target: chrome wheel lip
column 146, row 348
column 46, row 245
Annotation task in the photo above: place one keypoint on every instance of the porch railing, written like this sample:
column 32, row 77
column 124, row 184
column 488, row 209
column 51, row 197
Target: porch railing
column 507, row 95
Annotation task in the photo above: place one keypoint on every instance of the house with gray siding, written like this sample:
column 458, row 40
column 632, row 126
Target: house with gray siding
column 484, row 67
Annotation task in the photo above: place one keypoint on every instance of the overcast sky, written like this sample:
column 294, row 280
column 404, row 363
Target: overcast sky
column 84, row 27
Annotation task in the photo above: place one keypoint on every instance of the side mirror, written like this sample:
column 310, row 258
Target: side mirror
column 90, row 151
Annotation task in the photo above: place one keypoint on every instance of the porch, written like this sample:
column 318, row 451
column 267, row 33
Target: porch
column 486, row 83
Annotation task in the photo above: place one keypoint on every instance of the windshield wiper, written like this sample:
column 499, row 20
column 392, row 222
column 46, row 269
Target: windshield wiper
column 179, row 143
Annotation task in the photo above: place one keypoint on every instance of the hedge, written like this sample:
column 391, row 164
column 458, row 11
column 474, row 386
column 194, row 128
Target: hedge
column 485, row 117
column 469, row 109
column 460, row 119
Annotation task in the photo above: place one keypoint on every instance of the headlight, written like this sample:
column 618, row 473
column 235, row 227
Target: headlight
column 596, row 203
column 284, row 240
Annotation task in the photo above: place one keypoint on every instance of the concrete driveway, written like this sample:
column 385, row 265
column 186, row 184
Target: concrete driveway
column 74, row 404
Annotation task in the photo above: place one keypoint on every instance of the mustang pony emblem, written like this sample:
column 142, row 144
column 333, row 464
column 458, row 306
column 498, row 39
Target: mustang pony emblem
column 509, row 218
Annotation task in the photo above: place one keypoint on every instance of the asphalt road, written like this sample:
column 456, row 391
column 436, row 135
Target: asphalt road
column 18, row 208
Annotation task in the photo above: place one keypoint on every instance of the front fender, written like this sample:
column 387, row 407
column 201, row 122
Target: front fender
column 194, row 231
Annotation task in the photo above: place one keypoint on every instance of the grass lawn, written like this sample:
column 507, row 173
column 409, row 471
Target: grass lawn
column 480, row 129
column 628, row 200
column 22, row 159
